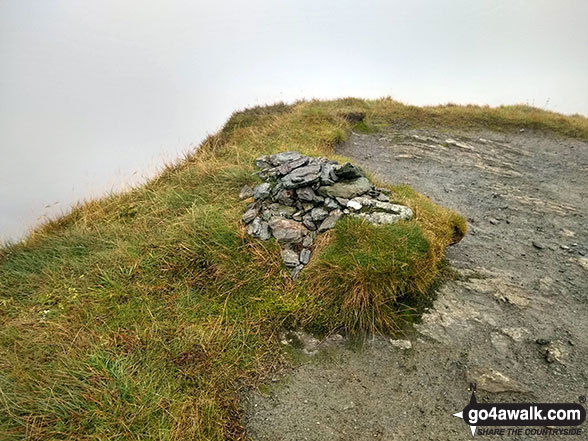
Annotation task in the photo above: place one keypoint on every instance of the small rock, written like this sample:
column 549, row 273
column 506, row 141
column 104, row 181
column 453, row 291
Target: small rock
column 501, row 342
column 493, row 381
column 308, row 240
column 264, row 231
column 286, row 230
column 306, row 194
column 290, row 257
column 330, row 204
column 286, row 197
column 246, row 192
column 538, row 245
column 318, row 214
column 298, row 216
column 402, row 210
column 306, row 206
column 250, row 213
column 383, row 198
column 517, row 334
column 354, row 205
column 308, row 222
column 266, row 215
column 287, row 167
column 348, row 171
column 282, row 157
column 302, row 177
column 493, row 221
column 296, row 271
column 254, row 228
column 567, row 233
column 328, row 176
column 349, row 406
column 581, row 261
column 342, row 201
column 401, row 344
column 542, row 341
column 330, row 221
column 305, row 256
column 380, row 218
column 347, row 189
column 261, row 191
column 281, row 210
column 554, row 352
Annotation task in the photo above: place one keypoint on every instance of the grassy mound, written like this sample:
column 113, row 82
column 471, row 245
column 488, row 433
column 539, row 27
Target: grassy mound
column 140, row 315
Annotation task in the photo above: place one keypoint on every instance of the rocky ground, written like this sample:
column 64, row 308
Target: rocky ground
column 515, row 320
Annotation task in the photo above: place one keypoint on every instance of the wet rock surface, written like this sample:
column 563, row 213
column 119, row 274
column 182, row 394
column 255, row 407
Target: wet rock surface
column 514, row 320
column 301, row 195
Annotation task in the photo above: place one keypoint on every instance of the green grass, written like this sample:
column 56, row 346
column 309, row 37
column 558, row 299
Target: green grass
column 141, row 315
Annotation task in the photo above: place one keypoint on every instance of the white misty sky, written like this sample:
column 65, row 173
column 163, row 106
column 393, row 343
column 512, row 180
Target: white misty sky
column 97, row 95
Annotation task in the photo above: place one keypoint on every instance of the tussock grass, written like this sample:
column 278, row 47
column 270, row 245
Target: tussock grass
column 141, row 314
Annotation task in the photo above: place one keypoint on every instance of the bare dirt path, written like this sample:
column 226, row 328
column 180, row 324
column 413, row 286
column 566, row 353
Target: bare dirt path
column 515, row 321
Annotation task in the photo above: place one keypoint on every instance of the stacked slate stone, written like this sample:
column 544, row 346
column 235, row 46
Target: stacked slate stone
column 302, row 196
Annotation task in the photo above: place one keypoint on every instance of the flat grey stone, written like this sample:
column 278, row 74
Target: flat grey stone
column 381, row 218
column 290, row 257
column 318, row 214
column 286, row 230
column 400, row 210
column 304, row 256
column 283, row 157
column 302, row 176
column 262, row 191
column 308, row 222
column 287, row 167
column 330, row 221
column 264, row 231
column 383, row 197
column 347, row 189
column 330, row 204
column 306, row 194
column 276, row 189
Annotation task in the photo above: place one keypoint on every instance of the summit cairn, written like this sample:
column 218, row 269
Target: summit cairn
column 303, row 196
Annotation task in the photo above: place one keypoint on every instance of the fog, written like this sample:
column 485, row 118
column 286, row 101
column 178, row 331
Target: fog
column 96, row 96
